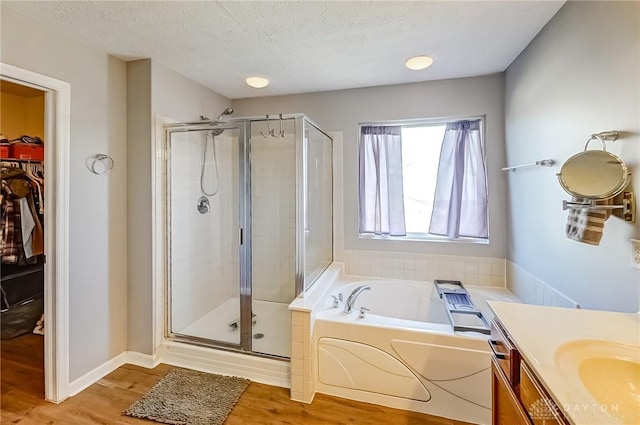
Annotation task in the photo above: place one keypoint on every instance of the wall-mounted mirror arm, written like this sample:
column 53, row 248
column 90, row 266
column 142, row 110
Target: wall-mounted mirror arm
column 627, row 206
column 603, row 137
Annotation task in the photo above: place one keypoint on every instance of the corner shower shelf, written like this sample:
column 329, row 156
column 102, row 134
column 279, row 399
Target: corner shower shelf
column 463, row 314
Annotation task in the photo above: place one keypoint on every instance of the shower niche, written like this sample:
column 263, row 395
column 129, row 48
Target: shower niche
column 249, row 228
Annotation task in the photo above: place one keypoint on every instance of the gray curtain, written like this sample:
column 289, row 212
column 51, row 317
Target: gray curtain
column 460, row 204
column 381, row 190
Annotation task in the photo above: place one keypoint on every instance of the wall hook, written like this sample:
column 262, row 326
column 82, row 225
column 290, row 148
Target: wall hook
column 281, row 130
column 270, row 132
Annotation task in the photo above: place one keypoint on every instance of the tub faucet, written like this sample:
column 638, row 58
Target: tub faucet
column 351, row 300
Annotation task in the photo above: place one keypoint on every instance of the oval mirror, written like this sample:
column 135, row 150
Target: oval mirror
column 593, row 174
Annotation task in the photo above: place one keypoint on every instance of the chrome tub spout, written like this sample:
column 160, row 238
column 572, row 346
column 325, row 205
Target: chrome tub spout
column 348, row 305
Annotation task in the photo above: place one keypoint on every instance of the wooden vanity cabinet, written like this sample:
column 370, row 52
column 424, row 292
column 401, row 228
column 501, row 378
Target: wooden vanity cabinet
column 535, row 400
column 506, row 409
column 518, row 398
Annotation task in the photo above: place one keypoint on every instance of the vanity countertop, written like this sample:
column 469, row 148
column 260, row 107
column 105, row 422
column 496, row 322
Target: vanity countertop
column 555, row 342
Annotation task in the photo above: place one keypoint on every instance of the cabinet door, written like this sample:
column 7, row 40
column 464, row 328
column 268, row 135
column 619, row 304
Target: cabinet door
column 506, row 407
column 505, row 353
column 541, row 409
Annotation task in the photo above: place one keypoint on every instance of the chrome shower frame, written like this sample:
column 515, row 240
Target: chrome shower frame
column 244, row 344
column 243, row 125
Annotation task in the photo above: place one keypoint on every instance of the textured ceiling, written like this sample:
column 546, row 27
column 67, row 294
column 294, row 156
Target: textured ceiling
column 303, row 46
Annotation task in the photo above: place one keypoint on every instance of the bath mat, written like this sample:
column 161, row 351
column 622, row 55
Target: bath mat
column 188, row 397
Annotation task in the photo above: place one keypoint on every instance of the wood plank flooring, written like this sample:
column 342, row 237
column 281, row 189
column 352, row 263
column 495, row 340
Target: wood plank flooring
column 22, row 402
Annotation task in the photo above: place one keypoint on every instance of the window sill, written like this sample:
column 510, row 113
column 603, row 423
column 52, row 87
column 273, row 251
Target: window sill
column 419, row 237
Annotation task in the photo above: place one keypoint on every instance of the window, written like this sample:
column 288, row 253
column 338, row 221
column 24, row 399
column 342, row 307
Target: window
column 420, row 155
column 423, row 181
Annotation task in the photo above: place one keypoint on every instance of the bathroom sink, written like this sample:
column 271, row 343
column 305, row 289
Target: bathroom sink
column 610, row 373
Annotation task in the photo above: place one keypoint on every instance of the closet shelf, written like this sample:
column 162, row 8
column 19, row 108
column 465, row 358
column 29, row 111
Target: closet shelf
column 21, row 160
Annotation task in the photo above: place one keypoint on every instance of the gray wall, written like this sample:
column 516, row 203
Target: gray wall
column 98, row 214
column 153, row 90
column 342, row 111
column 179, row 98
column 139, row 225
column 580, row 75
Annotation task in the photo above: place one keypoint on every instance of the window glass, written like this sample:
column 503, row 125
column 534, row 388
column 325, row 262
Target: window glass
column 420, row 156
column 463, row 204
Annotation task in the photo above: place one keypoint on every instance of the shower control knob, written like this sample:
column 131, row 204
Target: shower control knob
column 203, row 205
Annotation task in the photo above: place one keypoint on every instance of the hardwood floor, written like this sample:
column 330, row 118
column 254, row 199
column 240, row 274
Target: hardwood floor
column 102, row 403
column 22, row 367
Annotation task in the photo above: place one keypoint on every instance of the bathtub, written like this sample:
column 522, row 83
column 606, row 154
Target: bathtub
column 404, row 352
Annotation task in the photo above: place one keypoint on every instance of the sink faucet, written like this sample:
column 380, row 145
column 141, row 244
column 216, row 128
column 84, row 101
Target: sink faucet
column 348, row 305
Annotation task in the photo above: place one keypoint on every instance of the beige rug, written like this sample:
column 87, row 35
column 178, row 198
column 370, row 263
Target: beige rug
column 188, row 397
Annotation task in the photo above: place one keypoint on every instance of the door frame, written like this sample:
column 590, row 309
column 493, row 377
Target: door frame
column 244, row 286
column 56, row 229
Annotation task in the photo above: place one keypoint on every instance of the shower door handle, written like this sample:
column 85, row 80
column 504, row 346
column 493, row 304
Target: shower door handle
column 241, row 236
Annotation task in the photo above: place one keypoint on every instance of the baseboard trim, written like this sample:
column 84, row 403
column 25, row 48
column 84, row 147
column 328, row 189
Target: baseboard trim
column 257, row 369
column 96, row 374
column 143, row 360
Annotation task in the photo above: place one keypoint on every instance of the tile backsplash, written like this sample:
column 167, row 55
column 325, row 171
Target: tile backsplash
column 476, row 271
column 532, row 290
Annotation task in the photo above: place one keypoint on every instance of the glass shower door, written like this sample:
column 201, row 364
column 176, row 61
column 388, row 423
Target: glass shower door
column 273, row 233
column 204, row 239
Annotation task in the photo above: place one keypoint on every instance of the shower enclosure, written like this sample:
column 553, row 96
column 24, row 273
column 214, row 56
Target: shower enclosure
column 249, row 228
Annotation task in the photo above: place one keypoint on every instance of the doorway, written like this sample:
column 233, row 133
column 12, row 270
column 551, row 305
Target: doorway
column 22, row 243
column 52, row 213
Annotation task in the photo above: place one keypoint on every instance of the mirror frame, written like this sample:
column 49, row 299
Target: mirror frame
column 624, row 181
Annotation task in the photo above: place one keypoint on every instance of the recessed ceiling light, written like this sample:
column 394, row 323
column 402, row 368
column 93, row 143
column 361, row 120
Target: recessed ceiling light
column 257, row 82
column 418, row 63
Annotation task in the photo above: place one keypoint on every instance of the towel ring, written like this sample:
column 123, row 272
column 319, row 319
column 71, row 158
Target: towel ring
column 106, row 164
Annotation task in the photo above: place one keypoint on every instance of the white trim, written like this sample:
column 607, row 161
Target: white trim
column 143, row 360
column 97, row 374
column 258, row 369
column 57, row 134
column 419, row 122
column 424, row 237
column 159, row 237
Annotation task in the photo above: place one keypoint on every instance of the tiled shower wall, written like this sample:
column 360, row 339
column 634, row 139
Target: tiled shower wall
column 204, row 247
column 273, row 213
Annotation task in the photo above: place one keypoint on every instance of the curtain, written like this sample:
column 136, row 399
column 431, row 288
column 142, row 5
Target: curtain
column 381, row 190
column 460, row 202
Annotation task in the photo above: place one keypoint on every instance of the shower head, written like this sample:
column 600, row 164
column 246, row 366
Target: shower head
column 227, row 111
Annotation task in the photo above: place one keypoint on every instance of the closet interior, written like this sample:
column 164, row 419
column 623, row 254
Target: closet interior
column 22, row 123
